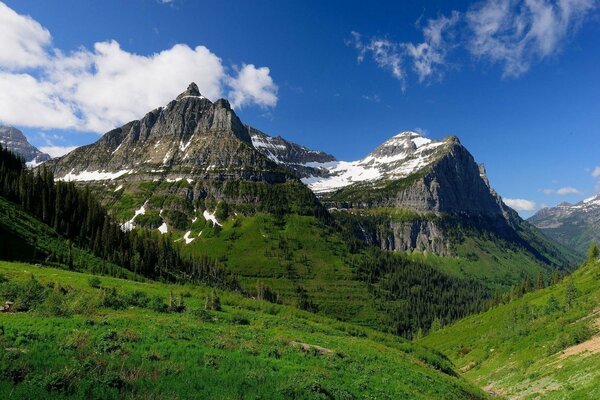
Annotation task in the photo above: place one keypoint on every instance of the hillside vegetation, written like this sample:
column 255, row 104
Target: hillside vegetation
column 546, row 343
column 73, row 335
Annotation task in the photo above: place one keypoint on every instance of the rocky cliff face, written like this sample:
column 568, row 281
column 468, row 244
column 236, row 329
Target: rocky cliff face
column 14, row 140
column 414, row 173
column 302, row 161
column 574, row 225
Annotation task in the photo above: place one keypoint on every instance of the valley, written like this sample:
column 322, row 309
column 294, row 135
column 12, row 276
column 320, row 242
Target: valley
column 299, row 200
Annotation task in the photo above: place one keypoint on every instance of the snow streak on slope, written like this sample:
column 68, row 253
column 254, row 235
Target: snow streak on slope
column 399, row 157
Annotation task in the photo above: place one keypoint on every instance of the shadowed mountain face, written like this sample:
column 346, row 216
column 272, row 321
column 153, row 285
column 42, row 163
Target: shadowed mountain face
column 574, row 225
column 14, row 140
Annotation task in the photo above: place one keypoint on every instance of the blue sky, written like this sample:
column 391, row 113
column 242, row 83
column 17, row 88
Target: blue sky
column 517, row 82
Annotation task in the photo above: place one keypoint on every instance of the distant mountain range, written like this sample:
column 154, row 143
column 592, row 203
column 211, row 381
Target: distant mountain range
column 574, row 225
column 14, row 140
column 194, row 158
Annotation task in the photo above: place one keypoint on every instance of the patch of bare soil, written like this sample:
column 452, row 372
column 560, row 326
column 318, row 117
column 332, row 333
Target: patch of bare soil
column 591, row 346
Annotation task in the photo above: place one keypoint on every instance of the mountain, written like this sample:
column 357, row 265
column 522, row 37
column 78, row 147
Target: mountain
column 413, row 193
column 193, row 172
column 14, row 140
column 412, row 172
column 193, row 163
column 545, row 344
column 574, row 225
column 190, row 155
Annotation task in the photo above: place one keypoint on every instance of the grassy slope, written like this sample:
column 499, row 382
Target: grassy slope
column 136, row 352
column 301, row 251
column 515, row 349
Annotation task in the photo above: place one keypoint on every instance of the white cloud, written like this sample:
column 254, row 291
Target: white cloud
column 520, row 204
column 562, row 191
column 426, row 57
column 518, row 33
column 24, row 40
column 57, row 151
column 429, row 55
column 596, row 172
column 386, row 54
column 96, row 90
column 253, row 86
column 568, row 190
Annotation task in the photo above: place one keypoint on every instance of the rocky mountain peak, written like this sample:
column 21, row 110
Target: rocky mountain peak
column 190, row 134
column 191, row 91
column 14, row 140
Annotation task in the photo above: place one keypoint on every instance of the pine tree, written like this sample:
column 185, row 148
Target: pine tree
column 593, row 252
column 570, row 294
column 539, row 283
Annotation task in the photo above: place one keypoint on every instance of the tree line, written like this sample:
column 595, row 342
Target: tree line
column 75, row 214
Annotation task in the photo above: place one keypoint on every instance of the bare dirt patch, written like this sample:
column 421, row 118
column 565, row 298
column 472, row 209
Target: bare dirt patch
column 591, row 346
column 308, row 347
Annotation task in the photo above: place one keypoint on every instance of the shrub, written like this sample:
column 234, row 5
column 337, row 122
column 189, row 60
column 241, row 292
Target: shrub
column 157, row 304
column 55, row 305
column 203, row 315
column 112, row 299
column 137, row 298
column 94, row 282
column 213, row 302
column 239, row 318
column 176, row 306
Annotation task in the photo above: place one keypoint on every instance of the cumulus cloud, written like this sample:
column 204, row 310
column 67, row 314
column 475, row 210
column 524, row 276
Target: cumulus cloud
column 563, row 191
column 253, row 86
column 57, row 151
column 24, row 40
column 596, row 172
column 518, row 33
column 426, row 57
column 520, row 204
column 98, row 89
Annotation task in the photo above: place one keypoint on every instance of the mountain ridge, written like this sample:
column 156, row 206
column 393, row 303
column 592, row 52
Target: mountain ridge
column 573, row 225
column 14, row 140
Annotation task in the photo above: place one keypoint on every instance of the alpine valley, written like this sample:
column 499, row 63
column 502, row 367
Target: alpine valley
column 189, row 255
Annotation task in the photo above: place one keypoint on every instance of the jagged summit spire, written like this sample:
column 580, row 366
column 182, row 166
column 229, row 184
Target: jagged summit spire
column 191, row 91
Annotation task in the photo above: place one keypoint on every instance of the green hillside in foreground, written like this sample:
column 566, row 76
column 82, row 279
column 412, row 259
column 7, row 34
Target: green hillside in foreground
column 543, row 345
column 81, row 336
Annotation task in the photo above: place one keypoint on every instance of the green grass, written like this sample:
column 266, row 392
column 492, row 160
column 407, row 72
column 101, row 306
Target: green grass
column 251, row 349
column 285, row 253
column 515, row 349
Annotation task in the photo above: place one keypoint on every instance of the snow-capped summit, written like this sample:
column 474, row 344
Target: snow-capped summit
column 398, row 157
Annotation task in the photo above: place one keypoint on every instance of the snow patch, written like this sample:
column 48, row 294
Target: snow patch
column 129, row 225
column 210, row 217
column 85, row 176
column 187, row 238
column 163, row 228
column 182, row 146
column 118, row 188
column 117, row 149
